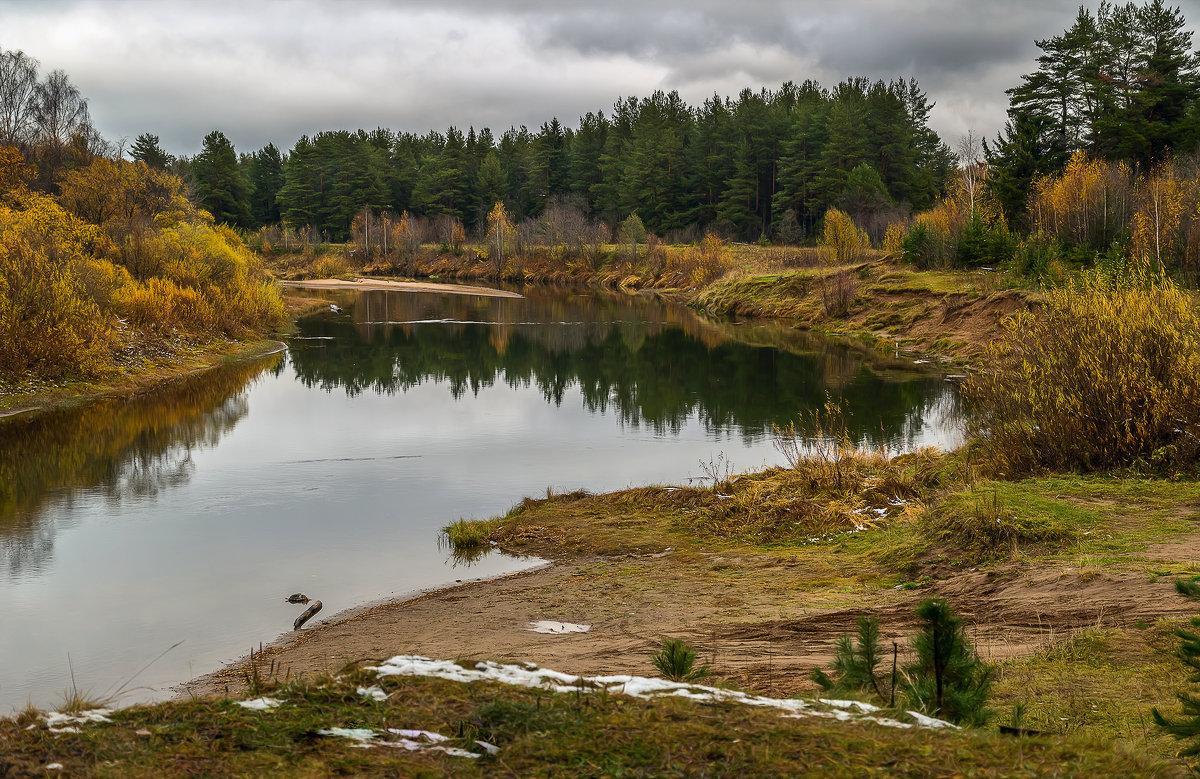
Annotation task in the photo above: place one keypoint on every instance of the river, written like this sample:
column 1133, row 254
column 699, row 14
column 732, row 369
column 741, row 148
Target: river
column 166, row 529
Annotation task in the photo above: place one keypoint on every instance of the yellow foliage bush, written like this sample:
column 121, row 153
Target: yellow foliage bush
column 893, row 238
column 49, row 326
column 121, row 243
column 697, row 265
column 849, row 243
column 1106, row 375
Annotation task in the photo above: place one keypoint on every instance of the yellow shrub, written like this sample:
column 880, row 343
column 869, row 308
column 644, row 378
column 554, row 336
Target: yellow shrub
column 162, row 304
column 849, row 243
column 127, row 244
column 48, row 324
column 1106, row 375
column 893, row 239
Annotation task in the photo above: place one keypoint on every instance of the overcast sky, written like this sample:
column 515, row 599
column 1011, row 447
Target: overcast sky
column 271, row 71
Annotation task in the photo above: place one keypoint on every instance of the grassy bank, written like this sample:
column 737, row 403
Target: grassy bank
column 1085, row 676
column 170, row 360
column 1065, row 581
column 532, row 733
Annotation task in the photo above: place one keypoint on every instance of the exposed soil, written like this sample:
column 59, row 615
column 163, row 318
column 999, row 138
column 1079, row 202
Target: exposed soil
column 755, row 617
column 974, row 322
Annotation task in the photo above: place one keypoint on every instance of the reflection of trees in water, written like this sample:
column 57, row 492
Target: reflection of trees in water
column 652, row 364
column 119, row 448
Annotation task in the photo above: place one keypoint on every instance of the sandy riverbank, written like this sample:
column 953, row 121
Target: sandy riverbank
column 370, row 285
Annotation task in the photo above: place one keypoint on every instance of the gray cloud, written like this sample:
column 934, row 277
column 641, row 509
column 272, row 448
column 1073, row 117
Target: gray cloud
column 273, row 71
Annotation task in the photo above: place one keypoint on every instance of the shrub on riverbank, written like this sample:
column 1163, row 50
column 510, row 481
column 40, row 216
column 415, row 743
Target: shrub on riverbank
column 1105, row 375
column 118, row 260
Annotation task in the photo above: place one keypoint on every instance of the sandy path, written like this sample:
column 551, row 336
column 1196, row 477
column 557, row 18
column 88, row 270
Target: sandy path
column 403, row 286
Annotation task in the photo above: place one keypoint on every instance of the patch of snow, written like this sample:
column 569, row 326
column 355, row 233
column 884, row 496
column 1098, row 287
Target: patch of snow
column 926, row 721
column 373, row 692
column 491, row 749
column 57, row 719
column 259, row 704
column 354, row 734
column 54, row 766
column 548, row 626
column 425, row 734
column 635, row 686
column 365, row 738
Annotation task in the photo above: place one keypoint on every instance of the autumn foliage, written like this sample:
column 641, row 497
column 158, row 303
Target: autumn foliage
column 118, row 258
column 1106, row 375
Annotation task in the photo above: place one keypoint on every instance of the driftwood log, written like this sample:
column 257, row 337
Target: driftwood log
column 312, row 609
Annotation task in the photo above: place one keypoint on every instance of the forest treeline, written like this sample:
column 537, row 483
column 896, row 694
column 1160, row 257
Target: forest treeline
column 766, row 163
column 1112, row 99
column 1097, row 165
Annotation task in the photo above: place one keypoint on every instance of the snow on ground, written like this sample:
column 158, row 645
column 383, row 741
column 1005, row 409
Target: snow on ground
column 529, row 675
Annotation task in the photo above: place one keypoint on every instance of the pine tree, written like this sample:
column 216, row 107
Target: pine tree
column 220, row 186
column 146, row 149
column 947, row 680
column 1187, row 726
column 264, row 173
column 856, row 660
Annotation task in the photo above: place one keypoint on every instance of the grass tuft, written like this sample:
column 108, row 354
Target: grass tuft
column 467, row 534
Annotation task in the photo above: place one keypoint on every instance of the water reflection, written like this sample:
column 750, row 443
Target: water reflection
column 119, row 449
column 655, row 364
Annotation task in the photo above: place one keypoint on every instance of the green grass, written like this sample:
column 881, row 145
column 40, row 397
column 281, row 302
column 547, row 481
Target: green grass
column 1100, row 683
column 538, row 733
column 466, row 534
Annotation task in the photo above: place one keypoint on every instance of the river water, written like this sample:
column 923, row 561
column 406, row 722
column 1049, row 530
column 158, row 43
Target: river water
column 166, row 529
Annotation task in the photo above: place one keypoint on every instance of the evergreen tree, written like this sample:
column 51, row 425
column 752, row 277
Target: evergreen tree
column 856, row 664
column 1025, row 150
column 583, row 155
column 947, row 680
column 1120, row 84
column 1188, row 725
column 221, row 188
column 492, row 186
column 264, row 173
column 709, row 159
column 146, row 149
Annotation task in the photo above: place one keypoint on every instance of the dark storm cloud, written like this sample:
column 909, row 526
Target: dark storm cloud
column 272, row 71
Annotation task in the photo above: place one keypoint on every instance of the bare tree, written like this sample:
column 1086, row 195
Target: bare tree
column 18, row 88
column 60, row 112
column 972, row 168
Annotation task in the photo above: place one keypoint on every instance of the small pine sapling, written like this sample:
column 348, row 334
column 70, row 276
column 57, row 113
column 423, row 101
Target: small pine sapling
column 855, row 663
column 947, row 679
column 1187, row 726
column 676, row 660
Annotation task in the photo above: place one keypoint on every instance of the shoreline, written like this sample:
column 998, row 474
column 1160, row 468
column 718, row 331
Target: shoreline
column 144, row 381
column 215, row 681
column 763, row 617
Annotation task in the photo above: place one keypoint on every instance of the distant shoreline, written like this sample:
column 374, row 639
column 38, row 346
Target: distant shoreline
column 369, row 285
